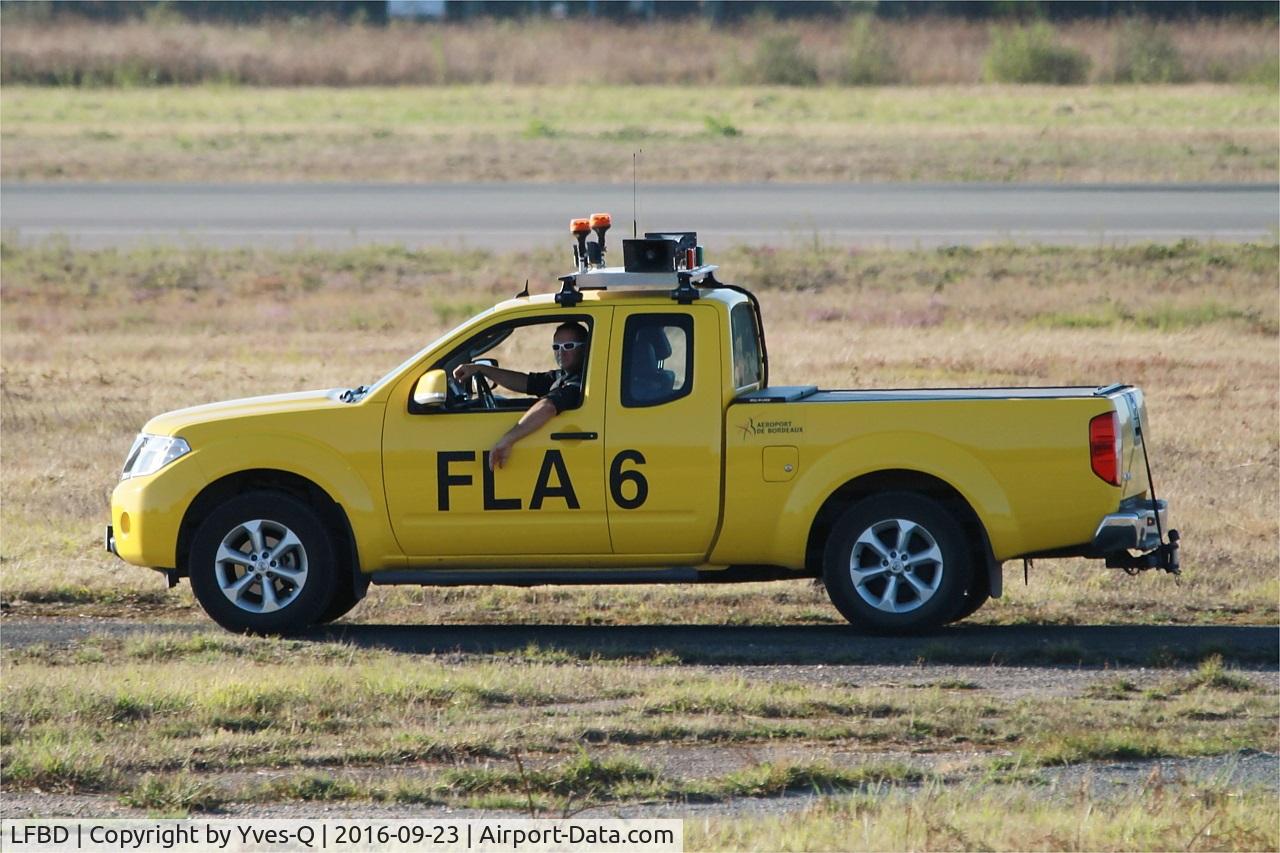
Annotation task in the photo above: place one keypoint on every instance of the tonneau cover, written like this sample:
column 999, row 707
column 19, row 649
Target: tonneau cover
column 810, row 394
column 778, row 394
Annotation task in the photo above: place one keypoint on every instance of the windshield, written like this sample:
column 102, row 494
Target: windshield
column 411, row 360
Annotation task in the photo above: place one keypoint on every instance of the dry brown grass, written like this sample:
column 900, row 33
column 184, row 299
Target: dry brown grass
column 94, row 343
column 67, row 51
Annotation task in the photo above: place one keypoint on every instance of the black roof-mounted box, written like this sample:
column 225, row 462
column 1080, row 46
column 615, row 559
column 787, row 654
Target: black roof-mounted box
column 649, row 255
column 683, row 239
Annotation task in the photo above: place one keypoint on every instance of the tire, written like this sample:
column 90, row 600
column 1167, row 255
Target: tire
column 873, row 587
column 280, row 546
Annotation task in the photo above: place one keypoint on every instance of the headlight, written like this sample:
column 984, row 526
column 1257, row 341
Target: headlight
column 150, row 453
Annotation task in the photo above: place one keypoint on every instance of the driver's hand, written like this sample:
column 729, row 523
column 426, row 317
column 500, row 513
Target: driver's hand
column 499, row 455
column 464, row 372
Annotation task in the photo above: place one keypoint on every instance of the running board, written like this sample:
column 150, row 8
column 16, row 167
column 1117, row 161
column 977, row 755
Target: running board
column 541, row 577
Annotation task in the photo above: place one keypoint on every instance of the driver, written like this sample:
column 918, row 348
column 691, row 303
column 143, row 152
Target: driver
column 557, row 389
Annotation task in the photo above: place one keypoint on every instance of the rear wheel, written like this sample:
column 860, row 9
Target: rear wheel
column 262, row 563
column 897, row 563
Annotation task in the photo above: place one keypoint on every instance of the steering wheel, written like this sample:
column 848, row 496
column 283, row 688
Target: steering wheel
column 457, row 391
column 484, row 391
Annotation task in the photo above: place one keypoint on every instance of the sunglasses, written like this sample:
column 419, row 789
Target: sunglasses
column 567, row 346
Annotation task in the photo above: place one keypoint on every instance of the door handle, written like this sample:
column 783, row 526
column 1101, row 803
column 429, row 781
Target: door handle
column 574, row 436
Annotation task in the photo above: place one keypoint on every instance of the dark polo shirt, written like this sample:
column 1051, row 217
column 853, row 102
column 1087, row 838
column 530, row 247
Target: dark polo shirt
column 562, row 388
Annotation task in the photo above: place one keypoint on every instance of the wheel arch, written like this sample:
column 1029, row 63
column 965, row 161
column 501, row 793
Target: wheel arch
column 330, row 511
column 917, row 482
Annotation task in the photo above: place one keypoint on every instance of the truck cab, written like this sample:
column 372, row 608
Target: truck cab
column 681, row 463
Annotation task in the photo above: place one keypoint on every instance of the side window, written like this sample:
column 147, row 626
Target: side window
column 657, row 359
column 523, row 346
column 746, row 346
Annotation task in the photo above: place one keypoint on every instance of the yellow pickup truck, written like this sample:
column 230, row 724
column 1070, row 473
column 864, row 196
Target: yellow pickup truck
column 680, row 463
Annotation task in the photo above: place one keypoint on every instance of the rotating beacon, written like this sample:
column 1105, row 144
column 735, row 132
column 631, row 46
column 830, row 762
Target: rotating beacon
column 659, row 260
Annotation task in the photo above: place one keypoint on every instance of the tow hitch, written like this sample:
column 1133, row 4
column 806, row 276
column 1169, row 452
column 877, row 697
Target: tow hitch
column 1165, row 556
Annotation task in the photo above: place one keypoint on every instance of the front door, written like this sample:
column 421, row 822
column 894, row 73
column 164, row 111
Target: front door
column 446, row 505
column 663, row 441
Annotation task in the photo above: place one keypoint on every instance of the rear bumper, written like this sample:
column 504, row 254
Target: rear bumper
column 1134, row 528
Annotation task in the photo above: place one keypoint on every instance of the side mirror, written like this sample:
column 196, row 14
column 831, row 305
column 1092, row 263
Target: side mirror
column 432, row 389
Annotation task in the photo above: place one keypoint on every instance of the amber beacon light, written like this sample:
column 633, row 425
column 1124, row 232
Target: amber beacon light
column 600, row 223
column 580, row 228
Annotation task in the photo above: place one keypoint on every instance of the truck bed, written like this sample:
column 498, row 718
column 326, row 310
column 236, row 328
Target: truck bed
column 1020, row 457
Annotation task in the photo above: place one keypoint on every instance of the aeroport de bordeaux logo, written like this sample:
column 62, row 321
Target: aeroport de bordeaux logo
column 753, row 428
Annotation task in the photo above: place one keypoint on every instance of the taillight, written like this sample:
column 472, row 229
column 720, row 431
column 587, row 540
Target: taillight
column 1104, row 447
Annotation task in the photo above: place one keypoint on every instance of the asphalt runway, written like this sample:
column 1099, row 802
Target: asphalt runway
column 523, row 216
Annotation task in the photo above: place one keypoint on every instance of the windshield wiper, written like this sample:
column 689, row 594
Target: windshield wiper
column 352, row 394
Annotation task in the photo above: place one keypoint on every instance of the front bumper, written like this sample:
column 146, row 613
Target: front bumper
column 1134, row 528
column 146, row 513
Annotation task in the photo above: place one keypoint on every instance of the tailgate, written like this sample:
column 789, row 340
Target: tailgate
column 1132, row 408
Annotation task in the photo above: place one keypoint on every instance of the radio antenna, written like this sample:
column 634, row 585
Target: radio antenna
column 635, row 216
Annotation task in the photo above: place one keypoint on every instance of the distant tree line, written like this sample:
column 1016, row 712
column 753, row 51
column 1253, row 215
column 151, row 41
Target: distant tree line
column 719, row 11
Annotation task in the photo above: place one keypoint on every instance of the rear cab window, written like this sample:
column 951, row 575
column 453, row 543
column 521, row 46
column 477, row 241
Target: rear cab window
column 747, row 367
column 657, row 359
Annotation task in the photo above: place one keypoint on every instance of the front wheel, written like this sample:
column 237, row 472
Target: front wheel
column 262, row 563
column 896, row 563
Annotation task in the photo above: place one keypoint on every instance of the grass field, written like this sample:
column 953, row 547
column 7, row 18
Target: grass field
column 183, row 725
column 221, row 704
column 1201, row 132
column 95, row 343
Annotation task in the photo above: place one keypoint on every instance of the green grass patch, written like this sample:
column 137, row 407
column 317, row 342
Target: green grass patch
column 776, row 701
column 1077, row 748
column 584, row 777
column 58, row 763
column 773, row 780
column 1161, row 317
column 1116, row 688
column 179, row 793
column 309, row 788
column 1213, row 675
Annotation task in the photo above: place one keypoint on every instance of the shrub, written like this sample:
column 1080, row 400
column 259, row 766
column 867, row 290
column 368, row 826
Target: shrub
column 1264, row 73
column 717, row 126
column 1146, row 54
column 870, row 62
column 539, row 129
column 779, row 61
column 1031, row 55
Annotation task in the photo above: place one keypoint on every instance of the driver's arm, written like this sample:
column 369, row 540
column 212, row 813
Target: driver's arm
column 532, row 421
column 511, row 379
